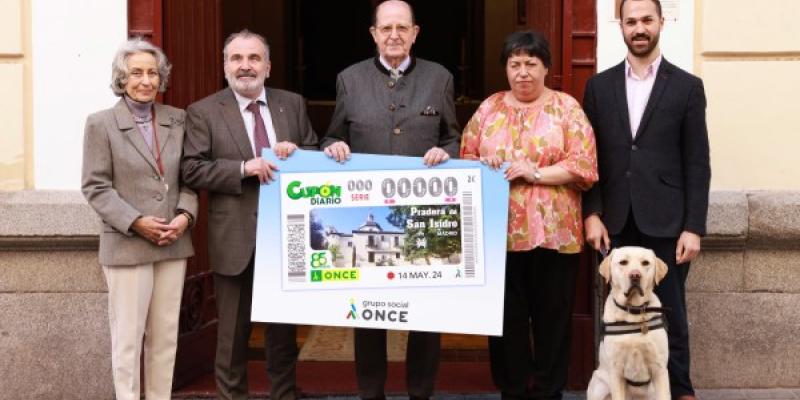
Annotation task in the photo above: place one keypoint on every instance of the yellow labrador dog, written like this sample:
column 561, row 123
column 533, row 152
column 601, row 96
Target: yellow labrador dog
column 634, row 351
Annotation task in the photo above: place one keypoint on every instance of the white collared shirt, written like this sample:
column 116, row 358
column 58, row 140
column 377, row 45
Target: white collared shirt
column 250, row 121
column 402, row 67
column 638, row 91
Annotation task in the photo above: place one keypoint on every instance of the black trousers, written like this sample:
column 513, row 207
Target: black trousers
column 234, row 296
column 672, row 293
column 540, row 287
column 422, row 362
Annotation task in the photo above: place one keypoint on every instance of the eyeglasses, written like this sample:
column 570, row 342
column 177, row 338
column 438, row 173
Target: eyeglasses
column 401, row 29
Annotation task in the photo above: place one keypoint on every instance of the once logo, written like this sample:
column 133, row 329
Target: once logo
column 384, row 315
column 334, row 275
column 352, row 313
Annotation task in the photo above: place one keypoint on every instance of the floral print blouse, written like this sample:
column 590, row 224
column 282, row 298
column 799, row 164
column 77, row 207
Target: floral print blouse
column 555, row 132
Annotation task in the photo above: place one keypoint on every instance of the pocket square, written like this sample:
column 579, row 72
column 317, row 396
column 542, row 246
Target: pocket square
column 429, row 112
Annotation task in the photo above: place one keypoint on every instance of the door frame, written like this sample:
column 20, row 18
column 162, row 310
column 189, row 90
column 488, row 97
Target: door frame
column 197, row 332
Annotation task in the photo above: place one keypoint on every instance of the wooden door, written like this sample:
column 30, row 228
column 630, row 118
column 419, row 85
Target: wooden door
column 193, row 44
column 571, row 28
column 327, row 37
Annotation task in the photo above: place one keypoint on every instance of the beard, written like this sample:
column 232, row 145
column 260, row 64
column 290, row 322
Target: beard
column 652, row 42
column 242, row 86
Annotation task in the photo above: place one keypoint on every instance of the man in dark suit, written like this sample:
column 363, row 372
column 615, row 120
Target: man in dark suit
column 653, row 156
column 225, row 135
column 397, row 104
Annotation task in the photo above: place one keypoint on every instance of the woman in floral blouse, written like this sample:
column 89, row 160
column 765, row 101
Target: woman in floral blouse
column 549, row 146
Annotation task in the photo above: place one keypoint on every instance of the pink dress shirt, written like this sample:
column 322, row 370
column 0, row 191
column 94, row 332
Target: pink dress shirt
column 638, row 91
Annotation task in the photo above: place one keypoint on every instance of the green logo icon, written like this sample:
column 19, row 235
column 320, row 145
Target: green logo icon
column 316, row 276
column 324, row 194
column 319, row 260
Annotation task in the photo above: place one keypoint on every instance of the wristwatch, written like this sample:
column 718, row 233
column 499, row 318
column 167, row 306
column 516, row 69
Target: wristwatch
column 537, row 175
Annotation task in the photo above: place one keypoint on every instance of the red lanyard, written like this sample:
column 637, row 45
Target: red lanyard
column 156, row 150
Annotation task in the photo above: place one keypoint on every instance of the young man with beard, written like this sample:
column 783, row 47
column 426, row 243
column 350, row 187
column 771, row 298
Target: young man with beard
column 653, row 156
column 225, row 133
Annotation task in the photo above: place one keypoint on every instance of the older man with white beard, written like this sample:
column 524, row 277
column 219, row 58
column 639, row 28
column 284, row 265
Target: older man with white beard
column 225, row 135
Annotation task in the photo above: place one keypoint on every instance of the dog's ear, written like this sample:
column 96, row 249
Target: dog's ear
column 605, row 267
column 661, row 270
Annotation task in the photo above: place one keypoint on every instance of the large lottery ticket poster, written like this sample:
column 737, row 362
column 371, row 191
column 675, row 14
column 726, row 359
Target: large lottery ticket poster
column 382, row 242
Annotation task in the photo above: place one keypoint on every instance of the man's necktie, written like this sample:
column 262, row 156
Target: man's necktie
column 260, row 131
column 395, row 73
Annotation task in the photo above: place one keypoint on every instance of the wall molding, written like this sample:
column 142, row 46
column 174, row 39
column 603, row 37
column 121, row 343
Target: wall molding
column 33, row 220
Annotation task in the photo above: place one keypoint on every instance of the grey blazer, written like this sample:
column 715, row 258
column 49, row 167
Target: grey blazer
column 120, row 181
column 215, row 146
column 374, row 115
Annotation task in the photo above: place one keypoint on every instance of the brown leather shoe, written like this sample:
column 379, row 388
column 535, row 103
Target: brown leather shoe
column 687, row 397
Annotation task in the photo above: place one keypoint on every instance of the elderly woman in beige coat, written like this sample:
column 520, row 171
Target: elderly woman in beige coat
column 131, row 177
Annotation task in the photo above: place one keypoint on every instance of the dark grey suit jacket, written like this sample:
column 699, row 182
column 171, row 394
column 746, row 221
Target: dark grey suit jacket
column 663, row 173
column 216, row 144
column 373, row 115
column 120, row 180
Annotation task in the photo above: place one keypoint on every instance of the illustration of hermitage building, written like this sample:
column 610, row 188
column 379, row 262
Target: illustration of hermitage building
column 368, row 246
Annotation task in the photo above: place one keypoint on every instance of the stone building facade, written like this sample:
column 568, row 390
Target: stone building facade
column 744, row 291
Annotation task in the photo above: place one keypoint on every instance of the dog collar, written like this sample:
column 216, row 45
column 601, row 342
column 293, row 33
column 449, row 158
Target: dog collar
column 642, row 309
column 624, row 327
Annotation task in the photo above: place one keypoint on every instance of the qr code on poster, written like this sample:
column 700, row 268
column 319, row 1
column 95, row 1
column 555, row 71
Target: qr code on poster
column 296, row 246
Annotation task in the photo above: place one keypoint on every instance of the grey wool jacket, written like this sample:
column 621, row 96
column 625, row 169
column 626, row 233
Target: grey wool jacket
column 121, row 181
column 376, row 115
